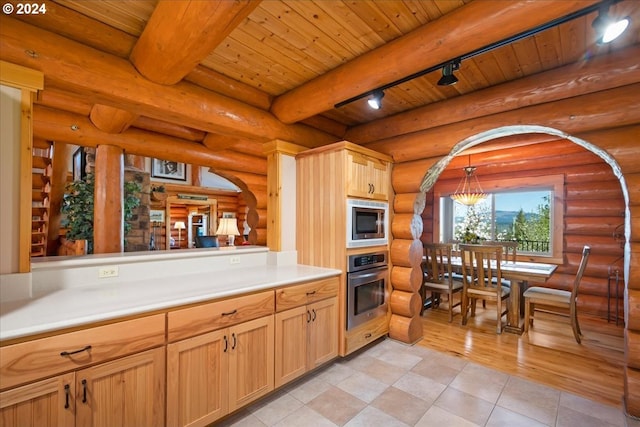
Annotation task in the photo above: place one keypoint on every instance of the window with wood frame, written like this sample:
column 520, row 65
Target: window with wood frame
column 516, row 209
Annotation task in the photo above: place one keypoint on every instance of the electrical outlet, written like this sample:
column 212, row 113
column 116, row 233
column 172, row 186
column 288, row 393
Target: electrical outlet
column 108, row 271
column 234, row 260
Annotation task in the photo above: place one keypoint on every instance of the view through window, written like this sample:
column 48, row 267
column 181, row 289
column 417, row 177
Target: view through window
column 523, row 216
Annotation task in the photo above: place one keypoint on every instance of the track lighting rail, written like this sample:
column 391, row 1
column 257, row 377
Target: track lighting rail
column 578, row 14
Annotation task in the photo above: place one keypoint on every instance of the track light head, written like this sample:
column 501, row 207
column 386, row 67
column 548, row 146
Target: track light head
column 607, row 28
column 375, row 101
column 448, row 78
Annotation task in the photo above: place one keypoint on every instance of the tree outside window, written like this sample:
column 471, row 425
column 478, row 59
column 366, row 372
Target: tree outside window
column 521, row 216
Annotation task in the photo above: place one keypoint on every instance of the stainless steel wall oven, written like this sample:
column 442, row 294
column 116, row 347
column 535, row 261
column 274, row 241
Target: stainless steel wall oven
column 367, row 296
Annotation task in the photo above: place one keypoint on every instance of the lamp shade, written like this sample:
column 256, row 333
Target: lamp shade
column 180, row 225
column 469, row 191
column 228, row 227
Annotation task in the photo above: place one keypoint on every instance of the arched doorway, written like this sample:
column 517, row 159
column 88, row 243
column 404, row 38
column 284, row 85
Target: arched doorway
column 410, row 202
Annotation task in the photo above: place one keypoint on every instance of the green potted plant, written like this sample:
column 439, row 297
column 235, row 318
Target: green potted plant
column 77, row 206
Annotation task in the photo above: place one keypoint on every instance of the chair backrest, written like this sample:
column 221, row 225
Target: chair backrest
column 437, row 262
column 509, row 248
column 481, row 266
column 206, row 241
column 581, row 268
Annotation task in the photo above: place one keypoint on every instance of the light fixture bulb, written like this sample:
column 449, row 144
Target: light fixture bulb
column 375, row 101
column 607, row 28
column 614, row 29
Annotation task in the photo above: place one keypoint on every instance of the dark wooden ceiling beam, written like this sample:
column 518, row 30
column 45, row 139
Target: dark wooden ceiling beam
column 114, row 81
column 180, row 34
column 485, row 22
column 572, row 80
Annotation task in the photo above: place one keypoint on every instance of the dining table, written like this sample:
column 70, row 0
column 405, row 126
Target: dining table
column 520, row 274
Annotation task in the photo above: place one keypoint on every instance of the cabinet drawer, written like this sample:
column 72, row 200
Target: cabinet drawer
column 366, row 333
column 196, row 320
column 297, row 295
column 43, row 357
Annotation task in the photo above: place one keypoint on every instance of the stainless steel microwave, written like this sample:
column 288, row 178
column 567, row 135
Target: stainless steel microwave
column 367, row 223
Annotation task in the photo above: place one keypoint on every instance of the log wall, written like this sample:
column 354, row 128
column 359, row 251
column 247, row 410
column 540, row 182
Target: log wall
column 594, row 210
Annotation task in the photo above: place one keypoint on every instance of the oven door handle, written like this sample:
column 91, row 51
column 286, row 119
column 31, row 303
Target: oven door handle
column 365, row 275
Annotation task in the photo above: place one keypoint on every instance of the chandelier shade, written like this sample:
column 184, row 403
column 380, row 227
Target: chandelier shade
column 469, row 192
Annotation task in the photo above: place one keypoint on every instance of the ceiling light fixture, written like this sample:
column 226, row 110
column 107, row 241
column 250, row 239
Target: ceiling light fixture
column 375, row 101
column 448, row 78
column 608, row 29
column 551, row 24
column 469, row 191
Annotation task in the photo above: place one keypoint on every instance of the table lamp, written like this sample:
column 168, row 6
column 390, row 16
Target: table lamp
column 179, row 226
column 228, row 227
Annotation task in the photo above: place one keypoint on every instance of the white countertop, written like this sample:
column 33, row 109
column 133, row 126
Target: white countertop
column 63, row 308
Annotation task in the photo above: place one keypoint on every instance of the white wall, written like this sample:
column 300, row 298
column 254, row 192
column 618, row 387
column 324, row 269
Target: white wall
column 9, row 178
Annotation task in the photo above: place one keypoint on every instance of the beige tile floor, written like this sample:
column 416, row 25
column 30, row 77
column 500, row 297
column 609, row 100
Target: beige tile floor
column 391, row 384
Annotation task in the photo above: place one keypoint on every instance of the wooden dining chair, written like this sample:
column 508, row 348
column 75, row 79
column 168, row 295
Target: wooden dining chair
column 557, row 298
column 509, row 249
column 482, row 280
column 437, row 276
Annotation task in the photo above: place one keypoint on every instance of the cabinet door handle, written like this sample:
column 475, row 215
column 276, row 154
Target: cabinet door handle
column 373, row 188
column 84, row 391
column 308, row 316
column 69, row 353
column 314, row 315
column 229, row 313
column 226, row 344
column 66, row 396
column 233, row 347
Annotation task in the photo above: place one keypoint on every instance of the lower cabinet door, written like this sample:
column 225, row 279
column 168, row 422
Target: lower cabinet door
column 46, row 403
column 197, row 378
column 291, row 344
column 323, row 332
column 251, row 364
column 125, row 392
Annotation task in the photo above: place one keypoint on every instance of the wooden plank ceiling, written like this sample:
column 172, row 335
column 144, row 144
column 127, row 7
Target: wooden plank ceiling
column 271, row 52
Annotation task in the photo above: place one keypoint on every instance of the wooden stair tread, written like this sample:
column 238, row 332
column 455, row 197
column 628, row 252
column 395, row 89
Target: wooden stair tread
column 40, row 162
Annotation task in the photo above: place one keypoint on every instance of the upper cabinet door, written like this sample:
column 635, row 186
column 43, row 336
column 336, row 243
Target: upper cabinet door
column 367, row 177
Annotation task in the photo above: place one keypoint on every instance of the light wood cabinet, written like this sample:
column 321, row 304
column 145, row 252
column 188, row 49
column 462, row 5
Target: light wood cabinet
column 326, row 178
column 367, row 177
column 48, row 402
column 126, row 391
column 307, row 334
column 211, row 375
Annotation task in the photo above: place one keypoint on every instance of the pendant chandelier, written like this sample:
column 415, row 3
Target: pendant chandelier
column 469, row 191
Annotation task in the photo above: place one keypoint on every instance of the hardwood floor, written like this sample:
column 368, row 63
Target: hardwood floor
column 548, row 355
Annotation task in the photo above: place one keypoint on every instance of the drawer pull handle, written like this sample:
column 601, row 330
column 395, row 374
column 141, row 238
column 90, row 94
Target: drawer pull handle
column 367, row 335
column 69, row 353
column 233, row 347
column 311, row 293
column 66, row 396
column 229, row 313
column 84, row 391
